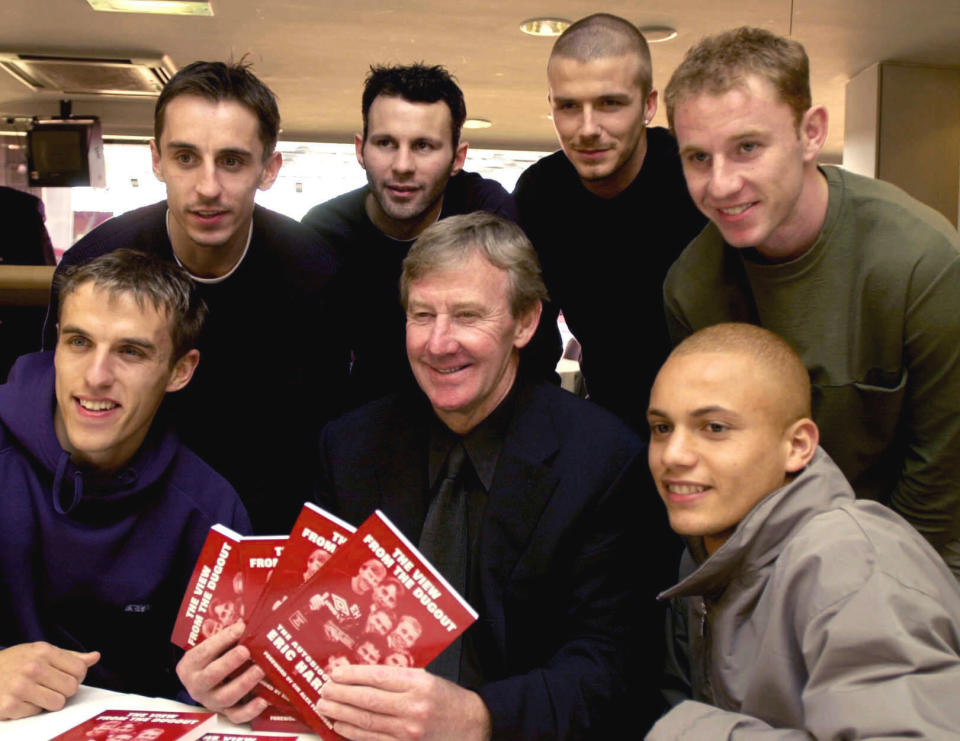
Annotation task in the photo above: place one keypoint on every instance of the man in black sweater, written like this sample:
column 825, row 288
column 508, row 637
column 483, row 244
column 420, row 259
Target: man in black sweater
column 270, row 369
column 610, row 212
column 413, row 156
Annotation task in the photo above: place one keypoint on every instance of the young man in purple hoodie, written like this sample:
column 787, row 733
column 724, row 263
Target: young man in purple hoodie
column 102, row 510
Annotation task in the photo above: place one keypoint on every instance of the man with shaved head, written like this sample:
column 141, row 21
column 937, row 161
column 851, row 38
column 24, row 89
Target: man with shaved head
column 610, row 212
column 803, row 612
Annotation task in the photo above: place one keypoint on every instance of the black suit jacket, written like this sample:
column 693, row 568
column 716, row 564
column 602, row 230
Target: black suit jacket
column 573, row 548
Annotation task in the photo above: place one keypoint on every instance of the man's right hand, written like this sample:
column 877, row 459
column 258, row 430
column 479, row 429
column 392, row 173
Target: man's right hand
column 37, row 676
column 206, row 671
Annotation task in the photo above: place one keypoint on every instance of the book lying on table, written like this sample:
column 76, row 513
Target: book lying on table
column 375, row 601
column 143, row 725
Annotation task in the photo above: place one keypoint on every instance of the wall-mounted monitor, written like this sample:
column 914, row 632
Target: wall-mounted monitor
column 66, row 153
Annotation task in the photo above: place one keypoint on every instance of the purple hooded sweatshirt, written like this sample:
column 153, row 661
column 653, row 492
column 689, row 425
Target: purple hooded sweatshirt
column 99, row 563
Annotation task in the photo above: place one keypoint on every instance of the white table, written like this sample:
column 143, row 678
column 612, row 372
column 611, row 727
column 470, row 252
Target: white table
column 92, row 700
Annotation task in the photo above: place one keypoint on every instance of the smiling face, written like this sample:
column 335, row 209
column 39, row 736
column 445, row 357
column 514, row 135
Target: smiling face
column 113, row 368
column 600, row 114
column 720, row 441
column 405, row 634
column 379, row 622
column 370, row 574
column 409, row 158
column 462, row 341
column 385, row 594
column 212, row 161
column 368, row 653
column 751, row 170
column 317, row 558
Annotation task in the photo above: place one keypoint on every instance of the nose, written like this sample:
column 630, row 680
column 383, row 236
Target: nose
column 589, row 124
column 442, row 339
column 678, row 451
column 208, row 181
column 403, row 161
column 724, row 180
column 99, row 373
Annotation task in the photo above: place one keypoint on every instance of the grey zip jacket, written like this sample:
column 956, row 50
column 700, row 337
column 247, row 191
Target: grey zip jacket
column 822, row 617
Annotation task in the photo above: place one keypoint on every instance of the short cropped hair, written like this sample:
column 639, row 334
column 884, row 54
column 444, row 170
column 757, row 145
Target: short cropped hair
column 722, row 62
column 219, row 81
column 770, row 351
column 164, row 284
column 416, row 83
column 602, row 35
column 502, row 243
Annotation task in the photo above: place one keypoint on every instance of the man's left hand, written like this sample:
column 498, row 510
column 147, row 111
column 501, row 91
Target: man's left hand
column 376, row 703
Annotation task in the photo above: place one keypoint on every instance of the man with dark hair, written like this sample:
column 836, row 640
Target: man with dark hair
column 263, row 276
column 413, row 157
column 802, row 613
column 610, row 212
column 543, row 525
column 104, row 511
column 853, row 272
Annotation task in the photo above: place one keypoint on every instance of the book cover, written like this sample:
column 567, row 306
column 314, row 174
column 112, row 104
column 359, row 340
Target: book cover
column 273, row 719
column 314, row 538
column 259, row 555
column 214, row 596
column 141, row 725
column 245, row 737
column 376, row 601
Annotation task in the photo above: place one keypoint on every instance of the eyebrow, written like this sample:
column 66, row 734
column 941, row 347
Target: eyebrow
column 220, row 152
column 135, row 341
column 698, row 412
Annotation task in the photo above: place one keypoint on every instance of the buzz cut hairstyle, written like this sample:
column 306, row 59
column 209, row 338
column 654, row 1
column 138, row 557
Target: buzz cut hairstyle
column 500, row 242
column 220, row 81
column 722, row 62
column 770, row 351
column 149, row 279
column 602, row 35
column 415, row 83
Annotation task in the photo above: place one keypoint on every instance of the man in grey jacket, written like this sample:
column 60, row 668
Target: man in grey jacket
column 807, row 613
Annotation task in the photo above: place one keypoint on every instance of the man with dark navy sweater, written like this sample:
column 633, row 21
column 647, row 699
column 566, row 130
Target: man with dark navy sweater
column 413, row 156
column 103, row 510
column 254, row 408
column 609, row 213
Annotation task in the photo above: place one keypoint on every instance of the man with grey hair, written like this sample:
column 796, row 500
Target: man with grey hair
column 610, row 212
column 857, row 275
column 531, row 526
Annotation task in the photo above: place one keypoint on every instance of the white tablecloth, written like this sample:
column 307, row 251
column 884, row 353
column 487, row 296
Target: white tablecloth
column 91, row 700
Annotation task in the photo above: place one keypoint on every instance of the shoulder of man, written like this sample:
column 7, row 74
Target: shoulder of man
column 545, row 175
column 340, row 217
column 296, row 246
column 469, row 191
column 205, row 490
column 143, row 228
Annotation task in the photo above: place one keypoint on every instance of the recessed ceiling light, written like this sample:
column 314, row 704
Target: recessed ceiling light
column 162, row 7
column 477, row 123
column 656, row 34
column 545, row 26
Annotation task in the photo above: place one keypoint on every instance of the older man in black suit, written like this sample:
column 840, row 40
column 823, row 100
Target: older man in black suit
column 533, row 503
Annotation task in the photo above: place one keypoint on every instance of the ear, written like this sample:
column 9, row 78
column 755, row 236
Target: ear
column 527, row 325
column 650, row 107
column 183, row 370
column 155, row 159
column 801, row 439
column 270, row 171
column 459, row 158
column 358, row 145
column 813, row 132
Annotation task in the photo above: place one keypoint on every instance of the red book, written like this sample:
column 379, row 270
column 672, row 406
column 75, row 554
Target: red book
column 259, row 555
column 273, row 719
column 214, row 596
column 245, row 737
column 143, row 725
column 376, row 601
column 315, row 536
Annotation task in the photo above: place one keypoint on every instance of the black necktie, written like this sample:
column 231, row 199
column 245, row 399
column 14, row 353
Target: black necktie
column 444, row 540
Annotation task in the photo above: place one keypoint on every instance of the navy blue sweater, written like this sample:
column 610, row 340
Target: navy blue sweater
column 99, row 563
